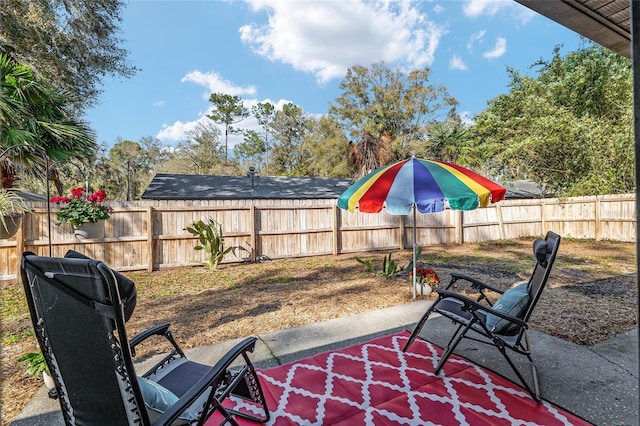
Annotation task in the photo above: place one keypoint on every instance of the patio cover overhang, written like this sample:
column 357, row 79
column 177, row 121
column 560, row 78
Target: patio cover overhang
column 607, row 22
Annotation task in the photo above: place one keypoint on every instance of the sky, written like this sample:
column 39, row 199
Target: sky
column 298, row 51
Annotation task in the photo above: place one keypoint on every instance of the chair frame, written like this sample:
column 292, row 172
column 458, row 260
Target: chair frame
column 470, row 316
column 107, row 310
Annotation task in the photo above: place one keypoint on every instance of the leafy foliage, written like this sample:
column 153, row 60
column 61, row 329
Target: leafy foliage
column 289, row 128
column 325, row 149
column 569, row 128
column 35, row 117
column 390, row 107
column 227, row 110
column 11, row 204
column 73, row 44
column 211, row 240
column 36, row 363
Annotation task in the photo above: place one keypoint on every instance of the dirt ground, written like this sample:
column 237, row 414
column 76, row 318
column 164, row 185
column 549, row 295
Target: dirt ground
column 591, row 297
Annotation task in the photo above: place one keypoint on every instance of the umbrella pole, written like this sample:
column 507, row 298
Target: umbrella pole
column 414, row 251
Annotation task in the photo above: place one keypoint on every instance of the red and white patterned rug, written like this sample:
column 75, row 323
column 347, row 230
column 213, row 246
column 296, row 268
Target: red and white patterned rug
column 375, row 383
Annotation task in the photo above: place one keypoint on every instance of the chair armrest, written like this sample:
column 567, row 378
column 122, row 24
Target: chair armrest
column 472, row 305
column 156, row 330
column 475, row 283
column 211, row 379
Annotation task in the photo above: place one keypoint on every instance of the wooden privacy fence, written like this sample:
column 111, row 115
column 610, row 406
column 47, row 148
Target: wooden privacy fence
column 150, row 235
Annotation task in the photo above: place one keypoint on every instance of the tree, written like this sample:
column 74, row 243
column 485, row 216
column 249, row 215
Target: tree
column 325, row 149
column 251, row 150
column 128, row 160
column 369, row 153
column 392, row 107
column 449, row 141
column 72, row 44
column 570, row 127
column 36, row 120
column 227, row 110
column 265, row 113
column 201, row 154
column 289, row 128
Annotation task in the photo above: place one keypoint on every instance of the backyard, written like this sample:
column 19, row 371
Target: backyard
column 592, row 297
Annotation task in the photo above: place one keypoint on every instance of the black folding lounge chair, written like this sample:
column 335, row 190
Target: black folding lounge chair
column 79, row 319
column 503, row 324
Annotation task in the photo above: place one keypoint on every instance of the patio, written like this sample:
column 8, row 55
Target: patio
column 566, row 370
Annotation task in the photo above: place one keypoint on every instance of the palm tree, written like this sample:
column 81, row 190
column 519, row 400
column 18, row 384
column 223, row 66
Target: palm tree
column 369, row 153
column 36, row 121
column 449, row 141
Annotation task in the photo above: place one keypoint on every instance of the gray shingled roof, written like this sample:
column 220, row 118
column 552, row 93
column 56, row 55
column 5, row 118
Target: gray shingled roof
column 166, row 186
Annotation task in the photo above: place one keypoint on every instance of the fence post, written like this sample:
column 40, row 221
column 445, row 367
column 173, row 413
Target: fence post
column 598, row 217
column 500, row 221
column 401, row 228
column 336, row 227
column 151, row 252
column 542, row 216
column 252, row 230
column 19, row 248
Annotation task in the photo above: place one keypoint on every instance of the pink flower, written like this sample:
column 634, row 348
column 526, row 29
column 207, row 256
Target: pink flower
column 59, row 199
column 98, row 196
column 77, row 192
column 79, row 210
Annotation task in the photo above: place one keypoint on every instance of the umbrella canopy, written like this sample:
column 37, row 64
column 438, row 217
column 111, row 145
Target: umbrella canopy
column 423, row 185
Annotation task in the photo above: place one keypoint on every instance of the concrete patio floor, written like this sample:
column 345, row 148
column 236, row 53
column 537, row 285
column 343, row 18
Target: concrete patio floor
column 599, row 383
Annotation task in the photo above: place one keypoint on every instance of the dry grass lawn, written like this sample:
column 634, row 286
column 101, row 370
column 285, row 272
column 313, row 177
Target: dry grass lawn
column 592, row 296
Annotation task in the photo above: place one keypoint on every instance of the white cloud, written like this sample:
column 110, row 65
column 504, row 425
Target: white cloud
column 158, row 104
column 466, row 118
column 456, row 63
column 327, row 37
column 437, row 9
column 213, row 82
column 475, row 8
column 475, row 38
column 178, row 131
column 498, row 50
column 216, row 84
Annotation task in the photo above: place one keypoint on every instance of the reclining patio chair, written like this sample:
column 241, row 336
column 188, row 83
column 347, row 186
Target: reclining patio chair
column 503, row 324
column 79, row 315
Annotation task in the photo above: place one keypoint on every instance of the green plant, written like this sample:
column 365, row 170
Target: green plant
column 11, row 205
column 368, row 264
column 389, row 266
column 211, row 241
column 79, row 210
column 36, row 363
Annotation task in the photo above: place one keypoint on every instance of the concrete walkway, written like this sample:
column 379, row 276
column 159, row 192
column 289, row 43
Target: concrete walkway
column 598, row 383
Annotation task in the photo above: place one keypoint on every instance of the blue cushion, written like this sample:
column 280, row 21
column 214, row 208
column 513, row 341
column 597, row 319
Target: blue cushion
column 157, row 399
column 513, row 302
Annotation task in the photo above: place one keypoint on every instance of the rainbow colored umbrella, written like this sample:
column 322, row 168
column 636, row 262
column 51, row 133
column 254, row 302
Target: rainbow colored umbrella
column 422, row 185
